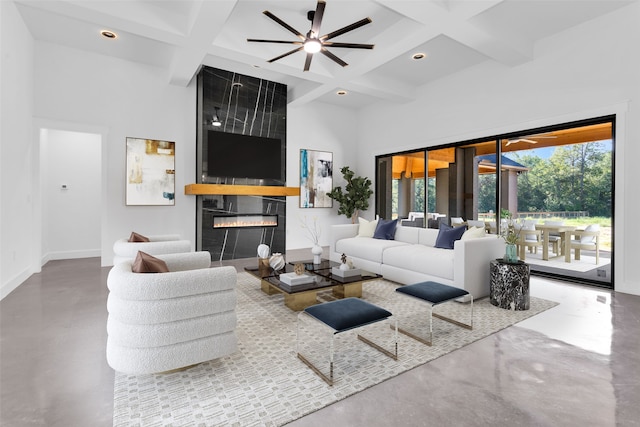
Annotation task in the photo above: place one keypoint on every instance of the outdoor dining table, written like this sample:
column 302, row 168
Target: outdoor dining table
column 565, row 239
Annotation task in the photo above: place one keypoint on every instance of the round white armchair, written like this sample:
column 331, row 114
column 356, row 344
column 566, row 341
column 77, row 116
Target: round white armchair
column 163, row 321
column 124, row 250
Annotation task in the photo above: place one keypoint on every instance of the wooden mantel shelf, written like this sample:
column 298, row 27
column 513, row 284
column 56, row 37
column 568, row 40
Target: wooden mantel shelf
column 240, row 190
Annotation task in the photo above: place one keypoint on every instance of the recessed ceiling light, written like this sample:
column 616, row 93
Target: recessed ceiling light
column 341, row 92
column 418, row 56
column 108, row 34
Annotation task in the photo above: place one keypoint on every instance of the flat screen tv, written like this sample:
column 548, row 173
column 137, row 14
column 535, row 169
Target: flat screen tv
column 232, row 155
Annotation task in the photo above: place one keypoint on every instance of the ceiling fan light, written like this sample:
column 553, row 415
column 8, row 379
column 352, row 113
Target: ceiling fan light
column 312, row 46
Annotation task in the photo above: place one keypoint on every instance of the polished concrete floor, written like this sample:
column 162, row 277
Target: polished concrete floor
column 577, row 364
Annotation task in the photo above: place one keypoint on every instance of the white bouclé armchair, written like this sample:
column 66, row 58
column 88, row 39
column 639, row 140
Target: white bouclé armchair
column 164, row 321
column 124, row 250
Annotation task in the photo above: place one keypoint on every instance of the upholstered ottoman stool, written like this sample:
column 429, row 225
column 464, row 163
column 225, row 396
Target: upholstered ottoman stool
column 344, row 315
column 434, row 293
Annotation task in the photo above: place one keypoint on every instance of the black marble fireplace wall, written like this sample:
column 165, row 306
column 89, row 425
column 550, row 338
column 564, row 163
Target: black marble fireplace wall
column 257, row 110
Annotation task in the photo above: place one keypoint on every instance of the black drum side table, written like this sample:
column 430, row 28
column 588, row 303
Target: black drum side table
column 509, row 285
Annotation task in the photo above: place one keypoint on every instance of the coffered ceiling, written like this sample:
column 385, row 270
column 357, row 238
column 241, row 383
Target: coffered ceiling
column 181, row 35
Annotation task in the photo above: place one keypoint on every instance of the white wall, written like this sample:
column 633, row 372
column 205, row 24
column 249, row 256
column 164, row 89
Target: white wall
column 321, row 127
column 584, row 72
column 129, row 100
column 71, row 217
column 16, row 150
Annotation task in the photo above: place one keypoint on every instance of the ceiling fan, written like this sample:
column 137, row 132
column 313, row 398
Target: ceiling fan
column 531, row 139
column 312, row 42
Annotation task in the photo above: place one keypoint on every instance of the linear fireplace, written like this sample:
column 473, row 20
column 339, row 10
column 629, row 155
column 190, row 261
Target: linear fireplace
column 244, row 221
column 232, row 226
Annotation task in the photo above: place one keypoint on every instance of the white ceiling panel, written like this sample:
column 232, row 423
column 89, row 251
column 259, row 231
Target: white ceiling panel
column 182, row 35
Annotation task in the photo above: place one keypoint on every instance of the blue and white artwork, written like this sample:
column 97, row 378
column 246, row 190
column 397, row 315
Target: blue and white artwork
column 316, row 178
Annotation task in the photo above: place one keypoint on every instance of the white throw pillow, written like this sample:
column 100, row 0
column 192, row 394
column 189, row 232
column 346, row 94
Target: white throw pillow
column 473, row 233
column 367, row 228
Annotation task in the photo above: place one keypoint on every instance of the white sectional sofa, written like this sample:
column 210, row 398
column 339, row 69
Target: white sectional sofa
column 412, row 257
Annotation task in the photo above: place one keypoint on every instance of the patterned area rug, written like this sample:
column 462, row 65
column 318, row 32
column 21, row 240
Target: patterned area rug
column 265, row 384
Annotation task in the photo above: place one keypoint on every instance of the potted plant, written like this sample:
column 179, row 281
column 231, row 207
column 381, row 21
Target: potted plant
column 356, row 195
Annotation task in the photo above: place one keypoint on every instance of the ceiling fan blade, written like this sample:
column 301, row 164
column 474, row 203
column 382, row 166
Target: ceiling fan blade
column 307, row 61
column 331, row 56
column 286, row 54
column 349, row 45
column 513, row 141
column 540, row 135
column 284, row 24
column 346, row 29
column 274, row 41
column 317, row 18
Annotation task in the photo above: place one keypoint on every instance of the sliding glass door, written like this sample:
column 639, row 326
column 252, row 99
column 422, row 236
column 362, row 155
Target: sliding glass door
column 557, row 180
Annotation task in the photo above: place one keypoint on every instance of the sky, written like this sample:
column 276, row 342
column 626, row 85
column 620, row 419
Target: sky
column 546, row 152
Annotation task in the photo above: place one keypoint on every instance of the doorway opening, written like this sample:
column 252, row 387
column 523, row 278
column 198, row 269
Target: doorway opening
column 71, row 194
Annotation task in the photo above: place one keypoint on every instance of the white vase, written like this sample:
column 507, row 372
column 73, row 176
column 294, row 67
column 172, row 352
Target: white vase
column 316, row 250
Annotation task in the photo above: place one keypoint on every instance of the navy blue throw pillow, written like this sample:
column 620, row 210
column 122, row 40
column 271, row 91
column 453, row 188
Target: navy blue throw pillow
column 386, row 229
column 447, row 235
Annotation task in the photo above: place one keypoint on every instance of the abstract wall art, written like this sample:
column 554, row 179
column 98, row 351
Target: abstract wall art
column 316, row 178
column 150, row 179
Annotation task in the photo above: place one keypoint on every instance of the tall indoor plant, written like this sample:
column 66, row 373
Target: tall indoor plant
column 355, row 198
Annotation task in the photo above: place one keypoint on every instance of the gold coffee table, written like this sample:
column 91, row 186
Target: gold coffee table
column 299, row 297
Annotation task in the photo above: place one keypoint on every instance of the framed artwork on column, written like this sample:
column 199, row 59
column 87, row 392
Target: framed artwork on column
column 316, row 178
column 150, row 179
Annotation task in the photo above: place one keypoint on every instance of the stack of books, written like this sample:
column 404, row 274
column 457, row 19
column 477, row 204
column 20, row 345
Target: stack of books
column 292, row 279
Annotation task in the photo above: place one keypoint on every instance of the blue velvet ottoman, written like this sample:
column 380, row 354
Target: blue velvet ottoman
column 341, row 316
column 434, row 293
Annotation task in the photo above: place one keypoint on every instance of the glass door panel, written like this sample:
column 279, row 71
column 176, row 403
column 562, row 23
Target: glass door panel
column 566, row 191
column 400, row 187
column 462, row 185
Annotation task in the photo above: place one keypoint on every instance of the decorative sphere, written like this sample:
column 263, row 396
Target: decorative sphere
column 277, row 261
column 298, row 268
column 263, row 251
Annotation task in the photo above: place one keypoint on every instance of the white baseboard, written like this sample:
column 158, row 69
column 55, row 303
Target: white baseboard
column 14, row 282
column 88, row 253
